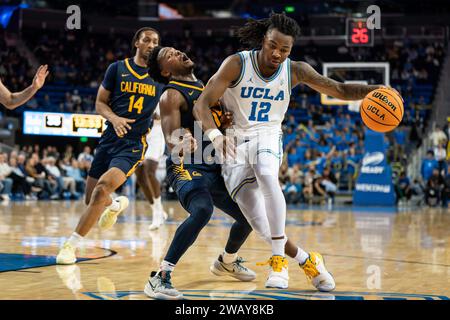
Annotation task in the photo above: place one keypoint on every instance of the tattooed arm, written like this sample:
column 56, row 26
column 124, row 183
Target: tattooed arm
column 304, row 73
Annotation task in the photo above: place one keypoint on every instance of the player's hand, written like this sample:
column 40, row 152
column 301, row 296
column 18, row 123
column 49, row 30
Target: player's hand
column 121, row 125
column 225, row 146
column 188, row 143
column 39, row 78
column 226, row 120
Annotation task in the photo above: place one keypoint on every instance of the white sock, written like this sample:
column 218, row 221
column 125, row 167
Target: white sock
column 75, row 240
column 228, row 257
column 157, row 203
column 114, row 206
column 278, row 247
column 301, row 256
column 166, row 266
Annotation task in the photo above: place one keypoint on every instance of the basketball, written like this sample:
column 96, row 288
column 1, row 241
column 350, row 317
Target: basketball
column 382, row 110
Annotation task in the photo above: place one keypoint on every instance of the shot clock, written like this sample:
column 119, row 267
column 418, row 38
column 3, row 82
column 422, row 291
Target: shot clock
column 358, row 34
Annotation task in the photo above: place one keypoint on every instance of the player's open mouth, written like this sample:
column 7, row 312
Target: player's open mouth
column 185, row 57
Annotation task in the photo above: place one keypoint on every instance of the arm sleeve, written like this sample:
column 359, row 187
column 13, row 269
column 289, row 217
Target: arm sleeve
column 109, row 81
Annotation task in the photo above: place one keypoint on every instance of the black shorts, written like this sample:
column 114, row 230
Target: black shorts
column 192, row 179
column 114, row 152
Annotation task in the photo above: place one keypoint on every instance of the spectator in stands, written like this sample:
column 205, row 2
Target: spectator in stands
column 446, row 191
column 21, row 159
column 296, row 172
column 284, row 171
column 441, row 156
column 328, row 182
column 22, row 185
column 351, row 164
column 435, row 189
column 68, row 152
column 291, row 121
column 293, row 190
column 85, row 158
column 41, row 180
column 417, row 192
column 76, row 98
column 308, row 160
column 327, row 131
column 323, row 146
column 46, row 104
column 72, row 170
column 69, row 105
column 428, row 165
column 437, row 136
column 52, row 152
column 63, row 182
column 292, row 157
column 403, row 188
column 289, row 136
column 6, row 183
column 308, row 190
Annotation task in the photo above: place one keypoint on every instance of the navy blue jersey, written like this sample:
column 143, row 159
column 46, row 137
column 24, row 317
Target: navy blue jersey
column 134, row 95
column 191, row 91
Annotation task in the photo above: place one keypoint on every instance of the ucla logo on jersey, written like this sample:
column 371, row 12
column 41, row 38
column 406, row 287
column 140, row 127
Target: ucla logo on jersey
column 261, row 93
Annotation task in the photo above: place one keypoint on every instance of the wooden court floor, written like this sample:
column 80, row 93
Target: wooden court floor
column 373, row 254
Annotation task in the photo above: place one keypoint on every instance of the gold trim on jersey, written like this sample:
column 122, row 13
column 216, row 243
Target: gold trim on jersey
column 134, row 73
column 187, row 85
column 144, row 149
column 182, row 174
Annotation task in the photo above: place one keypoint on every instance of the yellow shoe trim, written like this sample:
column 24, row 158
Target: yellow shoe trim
column 310, row 265
column 276, row 262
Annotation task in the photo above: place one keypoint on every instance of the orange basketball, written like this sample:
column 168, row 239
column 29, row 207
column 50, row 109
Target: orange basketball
column 382, row 110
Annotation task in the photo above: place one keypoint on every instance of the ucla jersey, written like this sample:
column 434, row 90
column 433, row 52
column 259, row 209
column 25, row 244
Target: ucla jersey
column 191, row 90
column 258, row 103
column 134, row 95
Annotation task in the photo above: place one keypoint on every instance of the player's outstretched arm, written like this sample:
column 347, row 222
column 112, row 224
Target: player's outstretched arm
column 304, row 73
column 13, row 100
column 215, row 88
column 121, row 125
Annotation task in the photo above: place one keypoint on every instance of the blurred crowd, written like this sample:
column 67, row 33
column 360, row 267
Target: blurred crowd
column 32, row 173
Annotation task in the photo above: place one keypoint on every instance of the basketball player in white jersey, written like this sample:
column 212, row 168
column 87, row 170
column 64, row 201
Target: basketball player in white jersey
column 146, row 173
column 255, row 86
column 12, row 100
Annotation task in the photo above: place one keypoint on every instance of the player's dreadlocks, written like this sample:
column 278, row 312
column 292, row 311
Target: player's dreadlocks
column 251, row 35
column 137, row 35
column 154, row 71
